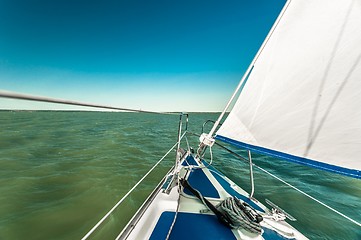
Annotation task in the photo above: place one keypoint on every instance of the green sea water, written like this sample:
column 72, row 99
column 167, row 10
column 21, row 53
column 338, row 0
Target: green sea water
column 61, row 172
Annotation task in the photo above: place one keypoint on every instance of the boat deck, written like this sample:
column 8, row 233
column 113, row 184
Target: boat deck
column 191, row 221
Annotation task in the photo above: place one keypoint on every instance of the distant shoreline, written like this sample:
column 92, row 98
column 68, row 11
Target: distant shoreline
column 25, row 110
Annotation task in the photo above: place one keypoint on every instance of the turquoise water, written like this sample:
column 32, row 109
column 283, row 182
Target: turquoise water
column 60, row 172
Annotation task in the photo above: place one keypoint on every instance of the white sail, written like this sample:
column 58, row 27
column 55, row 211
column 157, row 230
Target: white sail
column 302, row 100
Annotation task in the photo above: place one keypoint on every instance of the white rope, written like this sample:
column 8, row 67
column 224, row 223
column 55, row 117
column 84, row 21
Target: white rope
column 309, row 196
column 126, row 195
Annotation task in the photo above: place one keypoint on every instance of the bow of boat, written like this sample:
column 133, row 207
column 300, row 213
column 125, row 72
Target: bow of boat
column 174, row 211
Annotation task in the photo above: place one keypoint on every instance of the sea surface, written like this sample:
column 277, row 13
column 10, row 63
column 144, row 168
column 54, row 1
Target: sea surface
column 61, row 172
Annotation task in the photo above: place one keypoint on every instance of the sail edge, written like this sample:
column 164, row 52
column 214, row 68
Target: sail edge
column 354, row 173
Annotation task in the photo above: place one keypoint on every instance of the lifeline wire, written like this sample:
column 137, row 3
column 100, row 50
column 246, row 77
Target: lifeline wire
column 288, row 184
column 126, row 195
column 20, row 96
column 309, row 196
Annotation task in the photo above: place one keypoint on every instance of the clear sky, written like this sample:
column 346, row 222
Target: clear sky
column 160, row 55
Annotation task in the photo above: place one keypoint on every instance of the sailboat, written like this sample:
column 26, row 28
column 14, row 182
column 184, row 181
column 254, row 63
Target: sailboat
column 298, row 101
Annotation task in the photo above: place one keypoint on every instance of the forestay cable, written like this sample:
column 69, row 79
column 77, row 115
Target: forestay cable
column 20, row 96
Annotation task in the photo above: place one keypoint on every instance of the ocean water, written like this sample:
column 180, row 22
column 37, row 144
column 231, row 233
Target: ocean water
column 61, row 172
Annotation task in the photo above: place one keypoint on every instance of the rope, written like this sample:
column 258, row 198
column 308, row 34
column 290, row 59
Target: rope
column 176, row 212
column 20, row 96
column 127, row 194
column 230, row 211
column 241, row 215
column 288, row 184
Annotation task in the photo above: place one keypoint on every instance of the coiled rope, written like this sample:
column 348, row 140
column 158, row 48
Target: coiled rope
column 241, row 215
column 290, row 185
column 231, row 211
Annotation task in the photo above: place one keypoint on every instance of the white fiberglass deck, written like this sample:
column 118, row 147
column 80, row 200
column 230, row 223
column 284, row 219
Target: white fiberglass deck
column 156, row 221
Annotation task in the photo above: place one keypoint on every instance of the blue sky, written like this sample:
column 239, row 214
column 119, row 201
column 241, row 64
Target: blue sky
column 156, row 55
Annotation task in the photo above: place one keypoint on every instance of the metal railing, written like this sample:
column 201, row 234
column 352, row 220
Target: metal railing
column 129, row 192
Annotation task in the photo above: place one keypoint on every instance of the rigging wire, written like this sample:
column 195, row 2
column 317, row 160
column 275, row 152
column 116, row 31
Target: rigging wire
column 290, row 185
column 309, row 196
column 129, row 192
column 244, row 79
column 21, row 96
